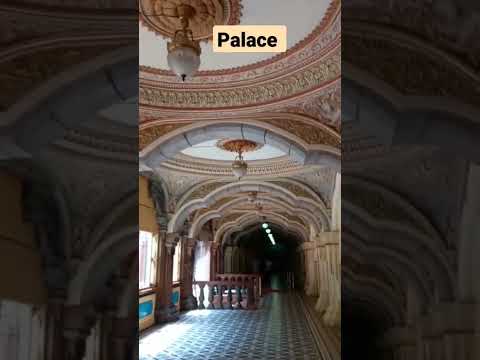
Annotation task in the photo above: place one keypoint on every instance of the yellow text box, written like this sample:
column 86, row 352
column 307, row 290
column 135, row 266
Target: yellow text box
column 249, row 38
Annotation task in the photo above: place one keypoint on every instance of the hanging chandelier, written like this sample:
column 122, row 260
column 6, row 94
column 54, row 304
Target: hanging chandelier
column 239, row 166
column 183, row 51
column 239, row 146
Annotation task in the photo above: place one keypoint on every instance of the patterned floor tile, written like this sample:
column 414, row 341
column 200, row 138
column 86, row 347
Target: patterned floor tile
column 277, row 331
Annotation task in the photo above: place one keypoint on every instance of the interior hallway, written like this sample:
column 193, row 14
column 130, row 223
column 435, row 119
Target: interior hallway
column 282, row 328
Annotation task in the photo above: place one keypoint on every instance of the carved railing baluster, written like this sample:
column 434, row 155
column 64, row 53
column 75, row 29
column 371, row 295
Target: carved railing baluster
column 220, row 293
column 250, row 295
column 229, row 297
column 239, row 297
column 211, row 297
column 201, row 297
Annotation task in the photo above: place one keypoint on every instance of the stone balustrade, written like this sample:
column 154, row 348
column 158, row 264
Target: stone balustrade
column 229, row 293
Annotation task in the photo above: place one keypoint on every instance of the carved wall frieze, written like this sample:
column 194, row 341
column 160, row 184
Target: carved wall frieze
column 230, row 217
column 204, row 190
column 409, row 71
column 21, row 75
column 377, row 206
column 312, row 135
column 324, row 106
column 195, row 166
column 452, row 26
column 150, row 134
column 315, row 76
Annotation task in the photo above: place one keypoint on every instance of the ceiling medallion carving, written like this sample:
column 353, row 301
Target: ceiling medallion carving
column 160, row 16
column 238, row 145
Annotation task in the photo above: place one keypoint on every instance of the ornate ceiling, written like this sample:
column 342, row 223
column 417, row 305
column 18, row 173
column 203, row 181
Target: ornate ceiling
column 290, row 101
column 155, row 30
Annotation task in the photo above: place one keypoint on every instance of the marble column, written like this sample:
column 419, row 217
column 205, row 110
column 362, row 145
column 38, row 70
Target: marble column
column 188, row 301
column 166, row 311
column 331, row 243
column 214, row 254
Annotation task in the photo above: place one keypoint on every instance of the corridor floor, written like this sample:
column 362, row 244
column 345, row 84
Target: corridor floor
column 278, row 330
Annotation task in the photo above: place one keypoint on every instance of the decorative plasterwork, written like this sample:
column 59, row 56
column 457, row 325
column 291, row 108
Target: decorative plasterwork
column 85, row 4
column 317, row 75
column 323, row 38
column 312, row 135
column 391, row 57
column 190, row 165
column 451, row 25
column 230, row 218
column 148, row 135
column 238, row 145
column 321, row 181
column 309, row 132
column 156, row 15
column 382, row 207
column 204, row 190
column 22, row 74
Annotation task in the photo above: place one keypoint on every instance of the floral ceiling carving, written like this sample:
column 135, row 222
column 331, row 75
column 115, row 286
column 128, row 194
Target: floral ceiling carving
column 392, row 62
column 323, row 71
column 150, row 134
column 22, row 74
column 451, row 26
column 156, row 15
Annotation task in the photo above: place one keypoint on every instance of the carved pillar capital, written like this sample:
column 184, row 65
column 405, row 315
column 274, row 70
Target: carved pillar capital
column 171, row 242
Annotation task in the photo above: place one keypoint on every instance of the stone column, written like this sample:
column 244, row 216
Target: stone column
column 166, row 311
column 188, row 301
column 308, row 248
column 122, row 340
column 214, row 254
column 78, row 321
column 54, row 330
column 331, row 241
column 323, row 289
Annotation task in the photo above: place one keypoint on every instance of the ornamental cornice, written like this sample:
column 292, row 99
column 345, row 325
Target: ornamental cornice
column 311, row 132
column 196, row 166
column 307, row 80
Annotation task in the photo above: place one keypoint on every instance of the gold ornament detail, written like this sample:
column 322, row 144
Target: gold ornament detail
column 152, row 133
column 313, row 77
column 159, row 15
column 238, row 145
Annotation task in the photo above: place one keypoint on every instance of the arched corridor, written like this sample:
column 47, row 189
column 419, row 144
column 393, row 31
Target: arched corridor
column 240, row 199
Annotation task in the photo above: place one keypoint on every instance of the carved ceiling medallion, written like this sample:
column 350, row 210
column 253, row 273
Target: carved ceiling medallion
column 238, row 145
column 160, row 16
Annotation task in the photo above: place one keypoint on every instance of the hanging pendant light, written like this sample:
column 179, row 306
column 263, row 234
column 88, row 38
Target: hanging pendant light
column 239, row 166
column 183, row 51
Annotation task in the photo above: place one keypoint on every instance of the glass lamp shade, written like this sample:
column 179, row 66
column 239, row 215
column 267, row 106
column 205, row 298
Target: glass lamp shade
column 239, row 168
column 183, row 61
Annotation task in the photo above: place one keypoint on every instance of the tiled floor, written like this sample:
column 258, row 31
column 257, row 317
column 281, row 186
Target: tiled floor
column 278, row 330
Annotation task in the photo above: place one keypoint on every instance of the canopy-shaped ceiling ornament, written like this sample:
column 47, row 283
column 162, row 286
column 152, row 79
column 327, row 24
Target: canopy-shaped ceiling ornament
column 239, row 146
column 159, row 16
